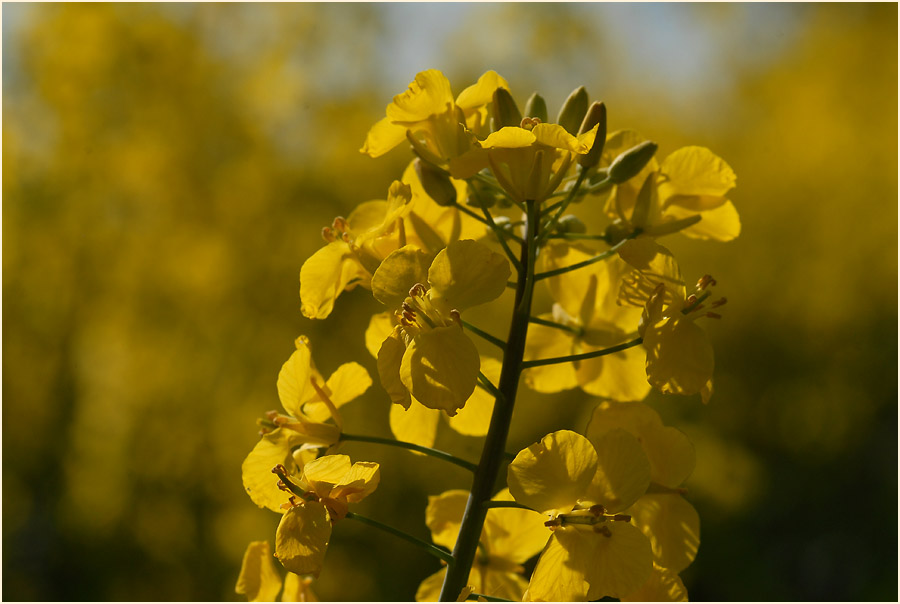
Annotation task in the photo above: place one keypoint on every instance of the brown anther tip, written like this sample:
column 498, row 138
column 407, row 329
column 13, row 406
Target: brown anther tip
column 271, row 415
column 345, row 237
column 598, row 510
column 705, row 281
column 552, row 523
column 279, row 469
column 622, row 517
column 692, row 299
column 529, row 123
column 713, row 315
column 328, row 234
column 719, row 302
column 340, row 224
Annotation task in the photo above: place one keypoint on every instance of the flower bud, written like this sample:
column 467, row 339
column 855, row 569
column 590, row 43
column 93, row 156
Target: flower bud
column 570, row 224
column 536, row 106
column 572, row 112
column 596, row 116
column 504, row 109
column 631, row 162
column 435, row 182
column 642, row 205
column 616, row 232
column 478, row 194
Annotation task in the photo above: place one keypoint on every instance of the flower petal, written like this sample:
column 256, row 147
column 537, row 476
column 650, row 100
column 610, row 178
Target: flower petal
column 358, row 483
column 428, row 94
column 382, row 137
column 719, row 224
column 475, row 416
column 397, row 273
column 546, row 342
column 552, row 475
column 390, row 358
column 465, row 274
column 324, row 473
column 514, row 534
column 259, row 580
column 444, row 515
column 482, row 91
column 619, row 564
column 440, row 368
column 623, row 472
column 679, row 356
column 324, row 275
column 695, row 172
column 653, row 264
column 380, row 327
column 673, row 527
column 662, row 586
column 297, row 589
column 621, row 377
column 256, row 471
column 294, row 386
column 417, row 424
column 560, row 572
column 302, row 538
column 430, row 589
column 668, row 449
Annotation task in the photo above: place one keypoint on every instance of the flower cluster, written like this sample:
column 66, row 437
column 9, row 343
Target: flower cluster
column 495, row 199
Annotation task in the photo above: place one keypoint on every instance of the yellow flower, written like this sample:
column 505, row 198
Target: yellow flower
column 586, row 304
column 357, row 245
column 583, row 486
column 509, row 538
column 691, row 182
column 431, row 120
column 529, row 161
column 427, row 356
column 328, row 485
column 679, row 353
column 662, row 586
column 669, row 521
column 309, row 402
column 260, row 582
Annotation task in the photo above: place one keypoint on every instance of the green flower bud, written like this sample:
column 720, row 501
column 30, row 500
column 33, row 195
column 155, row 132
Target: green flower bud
column 478, row 195
column 436, row 183
column 571, row 224
column 644, row 199
column 595, row 116
column 572, row 112
column 617, row 231
column 631, row 162
column 536, row 106
column 504, row 109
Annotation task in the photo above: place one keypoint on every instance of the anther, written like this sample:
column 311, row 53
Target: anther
column 328, row 234
column 280, row 484
column 713, row 315
column 719, row 302
column 705, row 281
column 528, row 123
column 454, row 314
column 622, row 517
column 340, row 224
column 417, row 290
column 598, row 510
column 691, row 300
column 552, row 524
column 345, row 237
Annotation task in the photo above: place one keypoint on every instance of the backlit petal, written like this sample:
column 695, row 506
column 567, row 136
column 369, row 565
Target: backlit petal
column 673, row 527
column 294, row 386
column 302, row 538
column 695, row 171
column 259, row 580
column 475, row 417
column 428, row 94
column 481, row 92
column 444, row 515
column 324, row 473
column 390, row 357
column 358, row 483
column 465, row 274
column 380, row 327
column 620, row 564
column 260, row 483
column 297, row 589
column 397, row 273
column 417, row 425
column 719, row 224
column 440, row 368
column 560, row 572
column 662, row 586
column 622, row 376
column 324, row 276
column 552, row 475
column 514, row 534
column 382, row 137
column 679, row 356
column 623, row 472
column 546, row 342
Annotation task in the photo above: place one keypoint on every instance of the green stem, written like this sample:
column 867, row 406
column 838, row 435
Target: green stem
column 428, row 547
column 578, row 331
column 492, row 339
column 412, row 447
column 500, row 233
column 576, row 236
column 488, row 385
column 506, row 504
column 551, row 224
column 492, row 454
column 601, row 256
column 584, row 356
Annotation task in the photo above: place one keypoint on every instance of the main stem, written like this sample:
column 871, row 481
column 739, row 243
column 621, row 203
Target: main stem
column 495, row 443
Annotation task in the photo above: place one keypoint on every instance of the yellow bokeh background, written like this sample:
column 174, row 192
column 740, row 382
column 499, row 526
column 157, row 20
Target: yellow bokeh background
column 168, row 168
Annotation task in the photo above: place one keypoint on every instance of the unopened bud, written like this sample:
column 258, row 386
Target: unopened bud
column 504, row 109
column 435, row 182
column 573, row 109
column 631, row 162
column 571, row 224
column 536, row 106
column 596, row 116
column 479, row 195
column 642, row 205
column 617, row 231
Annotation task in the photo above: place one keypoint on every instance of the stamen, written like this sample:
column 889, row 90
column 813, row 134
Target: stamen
column 598, row 510
column 454, row 315
column 719, row 302
column 705, row 281
column 713, row 315
column 417, row 290
column 345, row 237
column 340, row 224
column 328, row 234
column 528, row 123
column 622, row 518
column 331, row 407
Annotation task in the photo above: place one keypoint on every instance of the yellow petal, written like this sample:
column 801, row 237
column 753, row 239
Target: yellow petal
column 324, row 275
column 620, row 564
column 259, row 580
column 560, row 572
column 358, row 483
column 382, row 137
column 444, row 515
column 390, row 357
column 497, row 583
column 380, row 327
column 256, row 472
column 662, row 586
column 623, row 472
column 679, row 356
column 546, row 342
column 433, row 226
column 509, row 137
column 673, row 527
column 349, row 381
column 481, row 92
column 324, row 473
column 623, row 197
column 552, row 475
column 653, row 264
column 367, row 216
column 440, row 368
column 475, row 417
column 469, row 163
column 719, row 224
column 430, row 589
column 429, row 94
column 621, row 377
column 297, row 589
column 695, row 171
column 397, row 273
column 302, row 538
column 669, row 450
column 514, row 534
column 465, row 274
column 294, row 386
column 417, row 425
column 554, row 135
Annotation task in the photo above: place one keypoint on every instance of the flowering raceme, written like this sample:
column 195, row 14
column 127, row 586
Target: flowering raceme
column 491, row 201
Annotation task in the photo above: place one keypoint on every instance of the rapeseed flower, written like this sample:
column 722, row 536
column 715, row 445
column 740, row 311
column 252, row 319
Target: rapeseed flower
column 260, row 582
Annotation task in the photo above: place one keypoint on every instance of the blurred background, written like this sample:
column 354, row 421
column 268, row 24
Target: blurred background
column 167, row 169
